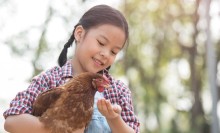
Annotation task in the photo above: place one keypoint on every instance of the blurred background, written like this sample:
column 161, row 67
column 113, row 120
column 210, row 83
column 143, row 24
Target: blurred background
column 172, row 64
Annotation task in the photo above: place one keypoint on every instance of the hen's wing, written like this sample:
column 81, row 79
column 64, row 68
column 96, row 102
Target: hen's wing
column 45, row 100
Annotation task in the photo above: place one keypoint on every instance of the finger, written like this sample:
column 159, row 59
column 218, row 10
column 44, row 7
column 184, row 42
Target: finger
column 99, row 104
column 103, row 105
column 117, row 108
column 109, row 107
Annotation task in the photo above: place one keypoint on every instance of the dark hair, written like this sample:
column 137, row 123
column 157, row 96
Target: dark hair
column 97, row 15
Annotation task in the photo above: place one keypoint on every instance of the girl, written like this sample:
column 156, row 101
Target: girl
column 100, row 35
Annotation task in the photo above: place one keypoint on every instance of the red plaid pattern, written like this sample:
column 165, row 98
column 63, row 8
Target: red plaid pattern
column 57, row 76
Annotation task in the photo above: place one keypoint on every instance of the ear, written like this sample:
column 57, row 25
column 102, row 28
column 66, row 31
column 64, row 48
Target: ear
column 79, row 31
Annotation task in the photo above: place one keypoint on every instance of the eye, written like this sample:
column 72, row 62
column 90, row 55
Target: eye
column 100, row 43
column 114, row 53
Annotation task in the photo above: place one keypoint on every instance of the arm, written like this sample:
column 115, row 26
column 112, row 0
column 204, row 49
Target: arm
column 119, row 126
column 18, row 118
column 121, row 95
column 112, row 114
column 24, row 123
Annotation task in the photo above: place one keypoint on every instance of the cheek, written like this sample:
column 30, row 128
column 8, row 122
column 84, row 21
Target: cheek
column 88, row 48
column 111, row 60
column 90, row 44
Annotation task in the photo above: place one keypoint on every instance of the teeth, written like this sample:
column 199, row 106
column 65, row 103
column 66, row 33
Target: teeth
column 98, row 62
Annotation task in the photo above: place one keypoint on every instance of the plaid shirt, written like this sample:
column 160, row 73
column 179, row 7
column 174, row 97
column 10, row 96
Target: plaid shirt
column 57, row 76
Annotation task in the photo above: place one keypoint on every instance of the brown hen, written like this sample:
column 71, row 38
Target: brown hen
column 69, row 107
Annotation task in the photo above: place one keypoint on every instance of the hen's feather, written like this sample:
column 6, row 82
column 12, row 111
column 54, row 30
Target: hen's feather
column 45, row 99
column 69, row 107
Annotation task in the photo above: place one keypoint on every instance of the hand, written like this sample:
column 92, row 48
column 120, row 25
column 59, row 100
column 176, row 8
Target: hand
column 108, row 110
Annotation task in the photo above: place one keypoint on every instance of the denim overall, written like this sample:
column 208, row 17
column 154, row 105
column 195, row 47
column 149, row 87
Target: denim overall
column 98, row 123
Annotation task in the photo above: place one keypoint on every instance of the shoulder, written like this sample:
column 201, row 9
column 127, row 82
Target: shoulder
column 122, row 86
column 47, row 74
column 54, row 76
column 118, row 92
column 56, row 72
column 119, row 84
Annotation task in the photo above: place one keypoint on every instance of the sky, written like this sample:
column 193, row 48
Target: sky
column 16, row 16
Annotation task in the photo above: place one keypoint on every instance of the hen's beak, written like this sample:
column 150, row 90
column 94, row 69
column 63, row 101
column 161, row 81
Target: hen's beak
column 106, row 79
column 106, row 83
column 107, row 86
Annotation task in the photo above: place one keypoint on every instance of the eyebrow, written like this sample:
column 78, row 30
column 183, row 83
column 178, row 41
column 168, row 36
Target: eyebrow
column 105, row 38
column 108, row 41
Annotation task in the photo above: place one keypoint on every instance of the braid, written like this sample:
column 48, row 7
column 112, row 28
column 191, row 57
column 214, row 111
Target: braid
column 63, row 55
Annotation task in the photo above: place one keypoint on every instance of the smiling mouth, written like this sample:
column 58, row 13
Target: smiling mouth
column 98, row 62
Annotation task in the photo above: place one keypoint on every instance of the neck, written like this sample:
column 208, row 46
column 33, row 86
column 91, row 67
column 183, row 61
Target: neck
column 76, row 67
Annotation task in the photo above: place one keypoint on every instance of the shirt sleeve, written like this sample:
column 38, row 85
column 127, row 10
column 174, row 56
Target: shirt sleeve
column 23, row 101
column 127, row 107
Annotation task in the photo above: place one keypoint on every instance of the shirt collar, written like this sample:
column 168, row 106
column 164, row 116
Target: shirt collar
column 67, row 69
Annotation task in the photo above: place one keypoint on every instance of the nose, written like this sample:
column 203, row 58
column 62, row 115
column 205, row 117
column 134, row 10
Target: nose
column 104, row 53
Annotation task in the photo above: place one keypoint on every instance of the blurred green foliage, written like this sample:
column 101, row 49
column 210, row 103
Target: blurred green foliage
column 165, row 62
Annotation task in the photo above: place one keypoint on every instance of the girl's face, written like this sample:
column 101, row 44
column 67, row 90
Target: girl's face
column 96, row 50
